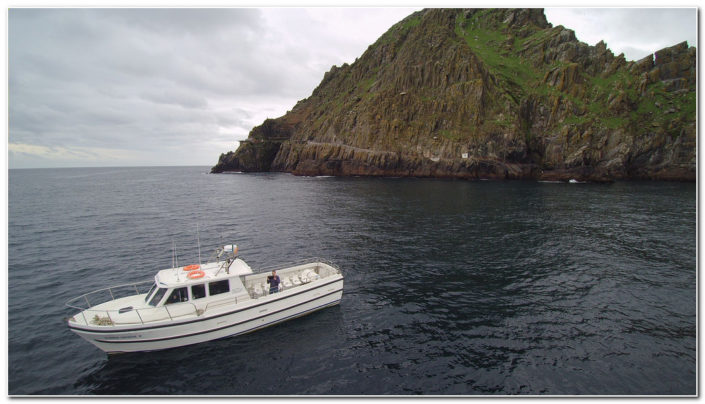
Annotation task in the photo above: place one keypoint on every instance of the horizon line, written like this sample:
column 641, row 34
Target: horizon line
column 136, row 166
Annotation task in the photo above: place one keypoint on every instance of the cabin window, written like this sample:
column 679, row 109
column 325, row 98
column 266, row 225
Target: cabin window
column 154, row 286
column 198, row 291
column 177, row 296
column 157, row 296
column 216, row 288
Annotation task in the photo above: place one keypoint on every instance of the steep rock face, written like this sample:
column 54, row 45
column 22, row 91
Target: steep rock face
column 487, row 93
column 258, row 151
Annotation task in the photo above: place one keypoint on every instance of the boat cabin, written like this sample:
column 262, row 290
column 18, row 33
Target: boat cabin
column 194, row 282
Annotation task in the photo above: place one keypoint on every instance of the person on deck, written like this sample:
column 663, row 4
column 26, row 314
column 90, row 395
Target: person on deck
column 273, row 281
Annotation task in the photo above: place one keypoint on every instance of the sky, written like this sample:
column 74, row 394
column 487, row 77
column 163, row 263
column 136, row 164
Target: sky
column 165, row 87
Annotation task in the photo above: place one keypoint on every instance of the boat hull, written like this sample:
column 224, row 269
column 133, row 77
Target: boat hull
column 244, row 318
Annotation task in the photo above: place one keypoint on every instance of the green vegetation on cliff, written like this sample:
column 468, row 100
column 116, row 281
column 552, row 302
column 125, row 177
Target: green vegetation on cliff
column 488, row 93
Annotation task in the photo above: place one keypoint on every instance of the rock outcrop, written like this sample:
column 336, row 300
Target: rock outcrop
column 488, row 93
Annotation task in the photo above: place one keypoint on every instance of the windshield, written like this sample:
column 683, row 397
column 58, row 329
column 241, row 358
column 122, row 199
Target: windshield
column 157, row 296
column 177, row 296
column 146, row 297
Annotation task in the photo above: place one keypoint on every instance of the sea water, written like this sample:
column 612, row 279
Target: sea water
column 451, row 287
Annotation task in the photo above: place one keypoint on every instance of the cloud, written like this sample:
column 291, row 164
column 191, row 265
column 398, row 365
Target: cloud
column 71, row 155
column 174, row 96
column 105, row 85
column 181, row 86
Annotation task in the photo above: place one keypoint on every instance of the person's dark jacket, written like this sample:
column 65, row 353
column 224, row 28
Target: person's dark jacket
column 273, row 281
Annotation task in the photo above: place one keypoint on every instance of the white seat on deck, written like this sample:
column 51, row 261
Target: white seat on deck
column 286, row 282
column 295, row 280
column 309, row 276
column 258, row 289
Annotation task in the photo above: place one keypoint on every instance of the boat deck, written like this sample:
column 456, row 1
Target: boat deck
column 292, row 277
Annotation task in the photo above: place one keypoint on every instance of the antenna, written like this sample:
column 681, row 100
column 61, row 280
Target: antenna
column 221, row 249
column 173, row 259
column 198, row 238
column 176, row 257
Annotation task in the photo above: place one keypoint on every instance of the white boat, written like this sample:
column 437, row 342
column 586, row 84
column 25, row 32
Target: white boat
column 197, row 303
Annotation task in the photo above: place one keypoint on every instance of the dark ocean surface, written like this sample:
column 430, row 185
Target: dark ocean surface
column 451, row 287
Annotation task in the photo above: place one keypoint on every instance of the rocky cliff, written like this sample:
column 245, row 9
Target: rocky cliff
column 488, row 93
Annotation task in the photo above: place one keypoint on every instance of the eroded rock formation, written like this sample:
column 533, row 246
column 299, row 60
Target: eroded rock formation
column 488, row 93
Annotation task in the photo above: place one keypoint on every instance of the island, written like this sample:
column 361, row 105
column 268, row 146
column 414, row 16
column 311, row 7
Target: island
column 488, row 94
